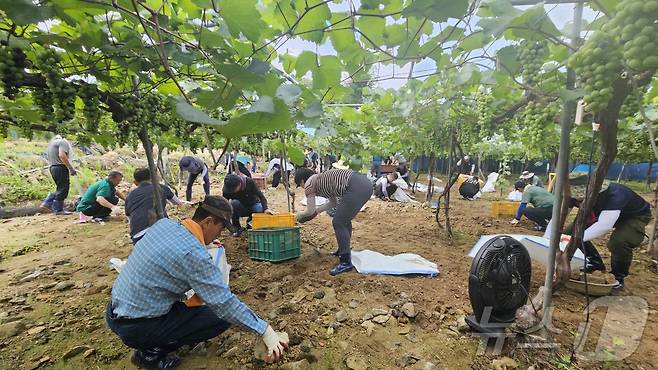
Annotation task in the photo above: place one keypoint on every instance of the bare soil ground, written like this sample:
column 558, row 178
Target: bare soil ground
column 61, row 309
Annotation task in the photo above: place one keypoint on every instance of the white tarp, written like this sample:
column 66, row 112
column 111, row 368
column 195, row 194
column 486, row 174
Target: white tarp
column 370, row 262
column 537, row 248
column 515, row 196
column 402, row 197
column 490, row 187
column 424, row 188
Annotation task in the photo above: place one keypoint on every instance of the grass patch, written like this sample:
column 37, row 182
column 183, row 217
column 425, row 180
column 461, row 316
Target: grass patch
column 15, row 189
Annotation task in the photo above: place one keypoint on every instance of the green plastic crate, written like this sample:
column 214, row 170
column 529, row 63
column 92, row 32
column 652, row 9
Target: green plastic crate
column 274, row 244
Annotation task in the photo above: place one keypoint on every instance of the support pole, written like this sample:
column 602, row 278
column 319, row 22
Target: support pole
column 284, row 170
column 561, row 173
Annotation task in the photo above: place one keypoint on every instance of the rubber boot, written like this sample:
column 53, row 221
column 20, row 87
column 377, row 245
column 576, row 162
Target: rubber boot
column 58, row 207
column 48, row 202
column 345, row 265
column 593, row 258
column 154, row 359
column 620, row 269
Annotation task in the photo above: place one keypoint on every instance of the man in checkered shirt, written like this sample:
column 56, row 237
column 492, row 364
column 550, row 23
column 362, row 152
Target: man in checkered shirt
column 146, row 311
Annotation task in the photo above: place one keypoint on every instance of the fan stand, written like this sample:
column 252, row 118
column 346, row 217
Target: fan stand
column 491, row 326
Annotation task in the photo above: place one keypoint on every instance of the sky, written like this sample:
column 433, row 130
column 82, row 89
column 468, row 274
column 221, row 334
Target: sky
column 560, row 14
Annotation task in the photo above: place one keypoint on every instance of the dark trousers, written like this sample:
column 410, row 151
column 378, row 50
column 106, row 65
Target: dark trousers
column 98, row 211
column 191, row 178
column 540, row 216
column 390, row 189
column 357, row 193
column 276, row 178
column 60, row 175
column 181, row 326
column 244, row 210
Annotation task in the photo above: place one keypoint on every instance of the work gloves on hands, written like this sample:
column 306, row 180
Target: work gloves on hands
column 275, row 345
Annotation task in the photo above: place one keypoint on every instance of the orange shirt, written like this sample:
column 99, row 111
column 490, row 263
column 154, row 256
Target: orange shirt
column 194, row 229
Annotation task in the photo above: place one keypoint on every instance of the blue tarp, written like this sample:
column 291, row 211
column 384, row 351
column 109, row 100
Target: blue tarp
column 636, row 171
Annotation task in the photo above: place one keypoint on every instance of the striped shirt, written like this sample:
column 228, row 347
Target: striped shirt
column 329, row 184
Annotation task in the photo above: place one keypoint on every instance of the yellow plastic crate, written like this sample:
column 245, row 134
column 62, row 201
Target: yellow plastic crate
column 263, row 220
column 504, row 208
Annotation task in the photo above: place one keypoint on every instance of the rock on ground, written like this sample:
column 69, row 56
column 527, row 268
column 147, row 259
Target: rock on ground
column 11, row 329
column 356, row 363
column 504, row 363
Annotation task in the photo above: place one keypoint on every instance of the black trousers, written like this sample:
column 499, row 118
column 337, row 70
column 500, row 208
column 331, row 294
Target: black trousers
column 540, row 216
column 98, row 211
column 61, row 176
column 276, row 178
column 181, row 326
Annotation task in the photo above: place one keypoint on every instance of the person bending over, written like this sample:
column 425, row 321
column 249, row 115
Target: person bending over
column 246, row 199
column 102, row 196
column 542, row 205
column 145, row 310
column 384, row 186
column 195, row 167
column 139, row 203
column 353, row 189
column 617, row 209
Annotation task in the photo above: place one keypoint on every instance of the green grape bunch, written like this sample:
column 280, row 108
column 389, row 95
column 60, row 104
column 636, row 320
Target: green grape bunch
column 531, row 56
column 44, row 100
column 598, row 63
column 12, row 69
column 635, row 25
column 536, row 118
column 484, row 113
column 91, row 111
column 63, row 92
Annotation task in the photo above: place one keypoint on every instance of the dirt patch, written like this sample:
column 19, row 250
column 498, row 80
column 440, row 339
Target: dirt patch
column 298, row 296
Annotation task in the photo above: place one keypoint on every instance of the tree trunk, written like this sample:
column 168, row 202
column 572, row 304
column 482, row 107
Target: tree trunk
column 652, row 250
column 155, row 177
column 430, row 185
column 284, row 174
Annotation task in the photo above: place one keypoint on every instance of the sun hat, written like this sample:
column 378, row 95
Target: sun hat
column 526, row 175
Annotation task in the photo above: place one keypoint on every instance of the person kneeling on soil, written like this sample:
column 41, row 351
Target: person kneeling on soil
column 145, row 310
column 353, row 189
column 246, row 199
column 139, row 204
column 101, row 197
column 384, row 186
column 542, row 205
column 617, row 209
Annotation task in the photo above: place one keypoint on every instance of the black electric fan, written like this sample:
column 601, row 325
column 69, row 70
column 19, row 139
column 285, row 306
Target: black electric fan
column 498, row 284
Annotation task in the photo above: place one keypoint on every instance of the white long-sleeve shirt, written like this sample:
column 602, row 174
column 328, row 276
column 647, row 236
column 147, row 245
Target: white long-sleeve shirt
column 604, row 224
column 274, row 162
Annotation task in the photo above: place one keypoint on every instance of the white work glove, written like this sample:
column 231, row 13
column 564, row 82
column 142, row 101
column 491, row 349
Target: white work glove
column 274, row 345
column 514, row 221
column 269, row 211
column 117, row 211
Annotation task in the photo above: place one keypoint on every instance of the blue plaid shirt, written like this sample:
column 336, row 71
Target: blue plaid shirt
column 167, row 262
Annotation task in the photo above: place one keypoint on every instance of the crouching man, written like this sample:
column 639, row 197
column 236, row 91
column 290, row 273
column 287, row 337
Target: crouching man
column 146, row 311
column 102, row 196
